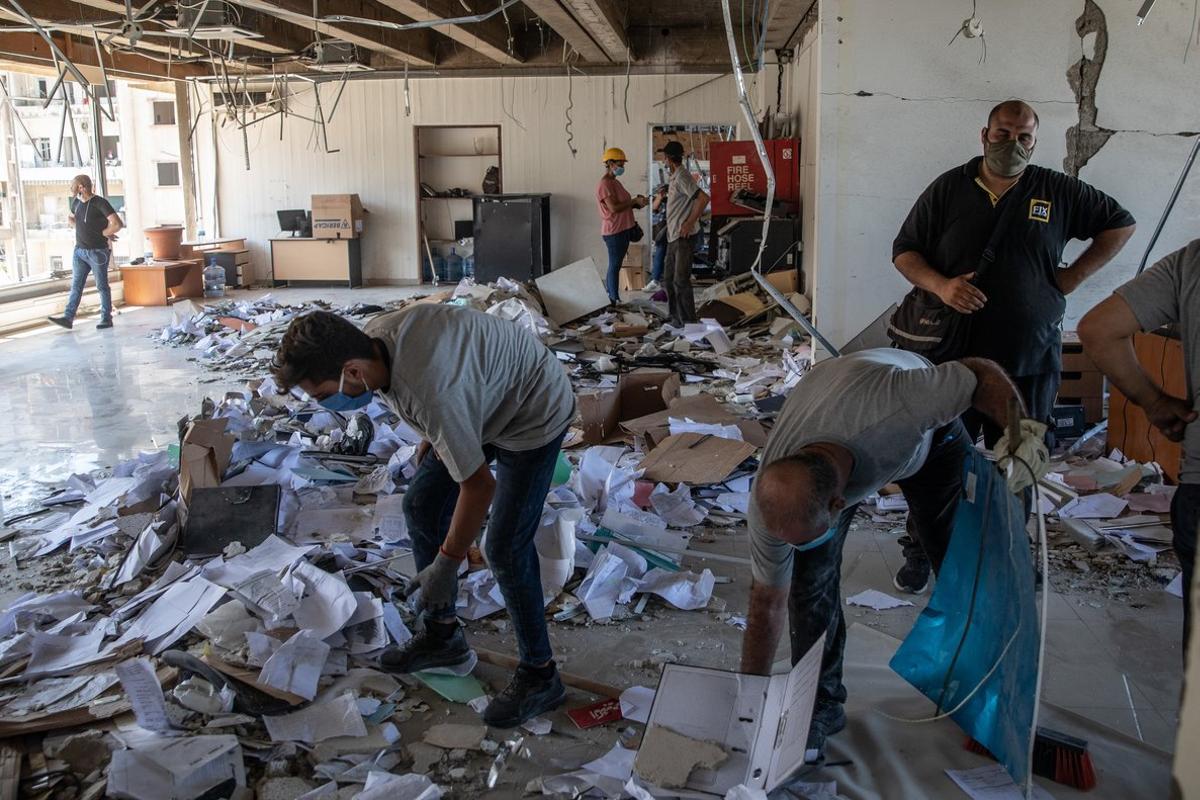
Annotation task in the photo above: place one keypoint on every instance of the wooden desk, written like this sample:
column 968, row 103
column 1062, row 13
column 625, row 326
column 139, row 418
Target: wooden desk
column 316, row 261
column 1128, row 427
column 160, row 283
column 194, row 248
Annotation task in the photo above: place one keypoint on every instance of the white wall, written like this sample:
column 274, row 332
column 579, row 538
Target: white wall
column 928, row 101
column 376, row 144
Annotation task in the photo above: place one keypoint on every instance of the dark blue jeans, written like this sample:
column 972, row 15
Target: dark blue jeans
column 814, row 601
column 522, row 481
column 1185, row 519
column 660, row 258
column 618, row 246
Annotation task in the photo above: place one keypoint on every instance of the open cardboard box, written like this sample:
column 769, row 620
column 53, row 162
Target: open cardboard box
column 654, row 428
column 638, row 393
column 760, row 721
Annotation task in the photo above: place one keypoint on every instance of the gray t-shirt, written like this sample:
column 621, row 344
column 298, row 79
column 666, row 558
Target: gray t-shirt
column 464, row 379
column 883, row 405
column 681, row 191
column 1169, row 292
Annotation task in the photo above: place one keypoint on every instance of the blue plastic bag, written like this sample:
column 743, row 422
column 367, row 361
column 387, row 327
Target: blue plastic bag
column 985, row 588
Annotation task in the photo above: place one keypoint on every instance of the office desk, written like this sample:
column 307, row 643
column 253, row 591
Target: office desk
column 160, row 283
column 316, row 261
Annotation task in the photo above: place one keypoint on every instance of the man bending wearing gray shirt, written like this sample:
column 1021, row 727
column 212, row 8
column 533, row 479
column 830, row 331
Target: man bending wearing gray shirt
column 1166, row 294
column 479, row 390
column 853, row 425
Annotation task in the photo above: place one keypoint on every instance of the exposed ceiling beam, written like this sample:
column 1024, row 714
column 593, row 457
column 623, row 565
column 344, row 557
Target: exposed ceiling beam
column 785, row 21
column 565, row 25
column 31, row 48
column 488, row 38
column 281, row 39
column 606, row 24
column 413, row 47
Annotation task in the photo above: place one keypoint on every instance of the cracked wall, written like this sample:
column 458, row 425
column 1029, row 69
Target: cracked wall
column 1085, row 138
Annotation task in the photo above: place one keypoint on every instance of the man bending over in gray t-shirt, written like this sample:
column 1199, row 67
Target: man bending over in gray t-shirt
column 478, row 389
column 853, row 425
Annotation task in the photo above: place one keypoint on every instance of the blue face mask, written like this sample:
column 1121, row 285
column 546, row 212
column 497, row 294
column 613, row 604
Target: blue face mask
column 344, row 402
column 618, row 171
column 817, row 542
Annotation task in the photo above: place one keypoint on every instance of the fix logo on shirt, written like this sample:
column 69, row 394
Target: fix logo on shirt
column 1039, row 210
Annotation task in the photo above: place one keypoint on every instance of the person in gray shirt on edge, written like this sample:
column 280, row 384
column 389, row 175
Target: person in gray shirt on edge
column 853, row 425
column 479, row 390
column 1166, row 294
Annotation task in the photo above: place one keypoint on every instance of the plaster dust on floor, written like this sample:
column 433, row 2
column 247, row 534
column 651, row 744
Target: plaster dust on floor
column 88, row 399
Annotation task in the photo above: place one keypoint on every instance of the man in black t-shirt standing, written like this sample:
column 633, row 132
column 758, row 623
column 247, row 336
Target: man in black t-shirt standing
column 1016, row 307
column 96, row 225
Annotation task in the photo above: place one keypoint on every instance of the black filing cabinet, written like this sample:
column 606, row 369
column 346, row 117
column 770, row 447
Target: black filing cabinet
column 512, row 236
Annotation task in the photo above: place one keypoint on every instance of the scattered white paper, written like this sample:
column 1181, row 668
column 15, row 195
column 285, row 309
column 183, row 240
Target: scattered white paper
column 602, row 585
column 386, row 786
column 296, row 666
column 177, row 768
column 63, row 653
column 395, row 625
column 274, row 555
column 324, row 719
column 173, row 615
column 676, row 507
column 684, row 590
column 735, row 501
column 390, row 521
column 992, row 783
column 617, row 763
column 538, row 726
column 1175, row 587
column 687, row 425
column 636, row 702
column 872, row 598
column 145, row 693
column 328, row 603
column 1093, row 506
column 265, row 594
column 261, row 647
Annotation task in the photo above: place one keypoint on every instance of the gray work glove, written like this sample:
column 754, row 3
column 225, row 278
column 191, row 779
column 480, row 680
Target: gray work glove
column 1032, row 458
column 438, row 584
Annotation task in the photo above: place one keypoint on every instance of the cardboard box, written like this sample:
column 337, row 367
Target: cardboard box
column 1088, row 383
column 638, row 394
column 695, row 458
column 732, row 308
column 655, row 427
column 204, row 455
column 635, row 256
column 786, row 281
column 337, row 216
column 760, row 721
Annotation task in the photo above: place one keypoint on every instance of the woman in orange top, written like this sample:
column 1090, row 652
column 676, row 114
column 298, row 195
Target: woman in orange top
column 617, row 223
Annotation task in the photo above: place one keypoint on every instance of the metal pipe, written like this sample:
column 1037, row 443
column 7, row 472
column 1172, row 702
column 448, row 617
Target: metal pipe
column 112, row 117
column 1187, row 167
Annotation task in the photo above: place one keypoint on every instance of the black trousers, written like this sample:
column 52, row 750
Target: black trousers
column 1185, row 519
column 814, row 600
column 1038, row 392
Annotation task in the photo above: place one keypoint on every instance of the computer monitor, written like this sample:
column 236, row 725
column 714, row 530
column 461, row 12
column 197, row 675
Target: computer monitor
column 296, row 220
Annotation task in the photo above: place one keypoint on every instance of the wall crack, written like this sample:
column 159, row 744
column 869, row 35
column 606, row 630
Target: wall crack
column 1086, row 138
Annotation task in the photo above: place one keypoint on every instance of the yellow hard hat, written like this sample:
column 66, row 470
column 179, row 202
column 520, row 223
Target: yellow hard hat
column 614, row 154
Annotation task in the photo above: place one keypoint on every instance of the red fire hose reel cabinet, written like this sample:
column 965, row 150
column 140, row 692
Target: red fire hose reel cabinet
column 735, row 165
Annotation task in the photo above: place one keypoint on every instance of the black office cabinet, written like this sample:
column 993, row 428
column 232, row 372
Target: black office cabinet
column 512, row 236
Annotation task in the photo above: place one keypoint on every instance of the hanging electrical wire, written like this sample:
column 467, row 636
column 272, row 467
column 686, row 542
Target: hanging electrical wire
column 568, row 126
column 410, row 26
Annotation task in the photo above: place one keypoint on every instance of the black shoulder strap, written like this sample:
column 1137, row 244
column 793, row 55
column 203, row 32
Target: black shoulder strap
column 1012, row 203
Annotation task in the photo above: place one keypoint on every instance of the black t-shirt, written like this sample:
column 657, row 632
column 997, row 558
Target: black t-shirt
column 950, row 224
column 91, row 218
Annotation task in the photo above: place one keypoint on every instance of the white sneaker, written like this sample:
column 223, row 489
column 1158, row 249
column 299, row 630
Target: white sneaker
column 651, row 287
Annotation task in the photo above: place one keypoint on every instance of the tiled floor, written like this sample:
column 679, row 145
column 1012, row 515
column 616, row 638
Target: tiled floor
column 86, row 398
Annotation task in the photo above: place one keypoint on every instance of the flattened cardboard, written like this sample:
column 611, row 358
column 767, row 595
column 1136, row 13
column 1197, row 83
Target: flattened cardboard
column 695, row 459
column 785, row 280
column 732, row 308
column 204, row 455
column 638, row 393
column 698, row 408
column 572, row 291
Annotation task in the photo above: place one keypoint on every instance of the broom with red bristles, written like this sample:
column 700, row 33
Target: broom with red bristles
column 1061, row 758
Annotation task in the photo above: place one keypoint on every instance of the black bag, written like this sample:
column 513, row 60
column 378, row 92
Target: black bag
column 636, row 234
column 923, row 324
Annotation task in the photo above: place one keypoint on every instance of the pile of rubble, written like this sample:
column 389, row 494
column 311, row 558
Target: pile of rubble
column 216, row 609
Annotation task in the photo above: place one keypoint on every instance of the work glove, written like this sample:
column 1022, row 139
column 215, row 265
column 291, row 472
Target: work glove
column 438, row 584
column 1031, row 449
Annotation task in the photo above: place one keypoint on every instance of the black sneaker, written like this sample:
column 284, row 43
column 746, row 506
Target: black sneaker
column 62, row 322
column 104, row 323
column 526, row 696
column 826, row 721
column 913, row 577
column 427, row 650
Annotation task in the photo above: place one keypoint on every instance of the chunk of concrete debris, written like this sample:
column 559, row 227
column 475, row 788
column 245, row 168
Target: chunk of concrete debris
column 456, row 736
column 424, row 757
column 667, row 759
column 84, row 753
column 289, row 788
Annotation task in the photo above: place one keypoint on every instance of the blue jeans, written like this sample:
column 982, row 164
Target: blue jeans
column 814, row 601
column 522, row 481
column 618, row 246
column 95, row 262
column 660, row 258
